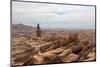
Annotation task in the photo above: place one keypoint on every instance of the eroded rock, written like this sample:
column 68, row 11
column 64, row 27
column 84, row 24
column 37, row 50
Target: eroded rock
column 71, row 58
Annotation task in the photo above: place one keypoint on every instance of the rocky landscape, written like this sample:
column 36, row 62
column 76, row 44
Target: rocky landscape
column 52, row 46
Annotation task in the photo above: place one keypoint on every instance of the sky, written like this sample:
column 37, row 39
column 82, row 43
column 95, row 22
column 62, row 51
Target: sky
column 53, row 15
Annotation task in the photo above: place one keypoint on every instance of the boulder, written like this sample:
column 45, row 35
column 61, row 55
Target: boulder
column 73, row 37
column 38, row 59
column 44, row 58
column 48, row 54
column 71, row 58
column 65, row 53
column 91, row 57
column 76, row 48
column 45, row 47
column 57, row 51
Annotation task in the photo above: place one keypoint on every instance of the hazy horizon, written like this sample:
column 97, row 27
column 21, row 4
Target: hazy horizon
column 53, row 15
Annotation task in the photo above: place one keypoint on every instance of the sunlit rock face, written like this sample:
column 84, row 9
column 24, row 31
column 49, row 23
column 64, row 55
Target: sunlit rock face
column 54, row 47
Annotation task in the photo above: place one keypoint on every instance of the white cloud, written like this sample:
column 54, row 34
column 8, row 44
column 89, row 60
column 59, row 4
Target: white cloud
column 32, row 13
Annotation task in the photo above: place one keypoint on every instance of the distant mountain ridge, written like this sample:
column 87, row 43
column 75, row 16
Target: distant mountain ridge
column 19, row 30
column 22, row 27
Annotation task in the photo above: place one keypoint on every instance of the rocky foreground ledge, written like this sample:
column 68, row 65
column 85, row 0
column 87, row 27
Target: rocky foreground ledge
column 39, row 50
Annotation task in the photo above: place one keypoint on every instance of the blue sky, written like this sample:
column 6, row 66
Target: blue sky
column 53, row 15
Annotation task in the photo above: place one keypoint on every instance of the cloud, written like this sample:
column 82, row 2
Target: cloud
column 33, row 13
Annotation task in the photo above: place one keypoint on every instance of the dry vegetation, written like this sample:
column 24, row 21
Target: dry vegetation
column 53, row 47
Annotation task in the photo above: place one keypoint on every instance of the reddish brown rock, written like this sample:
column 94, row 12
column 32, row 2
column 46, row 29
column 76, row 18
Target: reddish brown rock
column 91, row 57
column 64, row 54
column 71, row 58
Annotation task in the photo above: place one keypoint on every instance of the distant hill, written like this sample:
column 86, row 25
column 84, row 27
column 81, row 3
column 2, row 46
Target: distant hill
column 19, row 30
column 22, row 30
column 22, row 27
